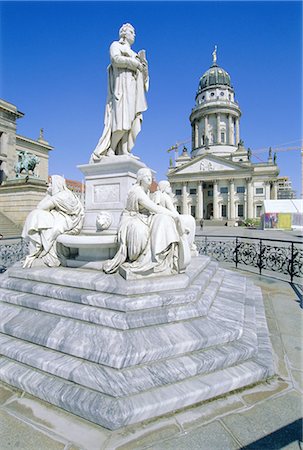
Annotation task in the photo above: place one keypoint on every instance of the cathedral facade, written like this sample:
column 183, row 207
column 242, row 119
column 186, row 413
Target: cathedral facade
column 218, row 181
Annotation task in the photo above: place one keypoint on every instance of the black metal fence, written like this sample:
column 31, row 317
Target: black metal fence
column 268, row 256
column 281, row 258
column 11, row 251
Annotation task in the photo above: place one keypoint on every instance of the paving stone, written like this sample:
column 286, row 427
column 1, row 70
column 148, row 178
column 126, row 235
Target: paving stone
column 269, row 310
column 272, row 325
column 294, row 350
column 15, row 434
column 298, row 379
column 138, row 437
column 290, row 324
column 264, row 391
column 279, row 357
column 205, row 413
column 68, row 426
column 6, row 393
column 265, row 418
column 209, row 437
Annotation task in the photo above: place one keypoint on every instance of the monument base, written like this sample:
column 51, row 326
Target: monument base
column 118, row 351
column 106, row 187
column 19, row 196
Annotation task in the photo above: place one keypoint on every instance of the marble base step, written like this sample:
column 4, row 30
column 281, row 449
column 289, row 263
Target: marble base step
column 114, row 413
column 141, row 377
column 115, row 358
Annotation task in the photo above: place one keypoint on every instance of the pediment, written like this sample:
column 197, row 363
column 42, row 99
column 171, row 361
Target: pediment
column 205, row 164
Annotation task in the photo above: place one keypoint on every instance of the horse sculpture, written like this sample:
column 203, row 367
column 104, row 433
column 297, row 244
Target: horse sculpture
column 27, row 162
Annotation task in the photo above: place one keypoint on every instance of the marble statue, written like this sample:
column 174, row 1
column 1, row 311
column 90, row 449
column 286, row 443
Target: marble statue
column 164, row 197
column 151, row 237
column 60, row 211
column 127, row 84
column 26, row 162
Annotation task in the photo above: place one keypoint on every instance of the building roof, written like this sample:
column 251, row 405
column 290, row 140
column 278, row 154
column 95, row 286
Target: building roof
column 215, row 75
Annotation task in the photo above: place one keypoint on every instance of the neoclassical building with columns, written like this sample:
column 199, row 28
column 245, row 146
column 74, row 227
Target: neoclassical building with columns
column 217, row 180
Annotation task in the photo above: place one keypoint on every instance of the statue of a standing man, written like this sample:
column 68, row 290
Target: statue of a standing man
column 127, row 84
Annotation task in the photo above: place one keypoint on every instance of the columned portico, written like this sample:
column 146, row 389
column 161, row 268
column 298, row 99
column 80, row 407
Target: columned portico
column 215, row 199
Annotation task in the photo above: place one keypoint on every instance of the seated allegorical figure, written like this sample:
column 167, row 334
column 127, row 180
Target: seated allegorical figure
column 164, row 197
column 151, row 237
column 60, row 211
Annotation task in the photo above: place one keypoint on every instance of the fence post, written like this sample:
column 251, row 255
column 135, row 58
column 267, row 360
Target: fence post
column 236, row 252
column 292, row 263
column 260, row 258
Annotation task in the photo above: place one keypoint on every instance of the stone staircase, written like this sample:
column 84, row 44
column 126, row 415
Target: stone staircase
column 8, row 228
column 117, row 352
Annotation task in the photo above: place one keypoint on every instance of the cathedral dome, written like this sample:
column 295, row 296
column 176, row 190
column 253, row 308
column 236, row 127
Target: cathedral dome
column 215, row 75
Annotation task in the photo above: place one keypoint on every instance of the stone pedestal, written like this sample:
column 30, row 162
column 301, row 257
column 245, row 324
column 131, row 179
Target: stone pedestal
column 106, row 187
column 117, row 352
column 19, row 196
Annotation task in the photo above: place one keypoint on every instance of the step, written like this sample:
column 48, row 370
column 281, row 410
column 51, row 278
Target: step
column 223, row 324
column 198, row 307
column 101, row 282
column 114, row 413
column 108, row 300
column 141, row 377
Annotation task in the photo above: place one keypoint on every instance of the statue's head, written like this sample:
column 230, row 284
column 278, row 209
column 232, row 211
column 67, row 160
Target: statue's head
column 164, row 186
column 57, row 184
column 127, row 33
column 144, row 177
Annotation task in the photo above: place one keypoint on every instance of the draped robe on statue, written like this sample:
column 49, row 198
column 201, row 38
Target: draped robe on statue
column 149, row 240
column 42, row 227
column 125, row 99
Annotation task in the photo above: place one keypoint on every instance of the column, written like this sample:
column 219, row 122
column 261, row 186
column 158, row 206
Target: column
column 206, row 127
column 250, row 201
column 218, row 129
column 237, row 132
column 199, row 200
column 184, row 199
column 230, row 130
column 193, row 136
column 231, row 197
column 275, row 190
column 267, row 190
column 197, row 143
column 245, row 216
column 215, row 199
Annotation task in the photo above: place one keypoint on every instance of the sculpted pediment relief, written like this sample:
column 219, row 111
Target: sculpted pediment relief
column 207, row 165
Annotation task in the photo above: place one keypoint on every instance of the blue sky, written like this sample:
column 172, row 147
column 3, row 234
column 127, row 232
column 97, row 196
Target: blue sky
column 55, row 54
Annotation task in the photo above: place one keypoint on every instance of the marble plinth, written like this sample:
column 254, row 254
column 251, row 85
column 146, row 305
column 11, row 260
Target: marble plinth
column 117, row 352
column 106, row 187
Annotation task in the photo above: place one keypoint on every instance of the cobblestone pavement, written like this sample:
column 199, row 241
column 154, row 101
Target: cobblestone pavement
column 264, row 416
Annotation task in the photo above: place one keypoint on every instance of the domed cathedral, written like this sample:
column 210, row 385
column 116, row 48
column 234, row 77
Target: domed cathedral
column 217, row 181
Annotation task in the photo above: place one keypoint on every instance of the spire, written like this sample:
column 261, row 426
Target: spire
column 215, row 56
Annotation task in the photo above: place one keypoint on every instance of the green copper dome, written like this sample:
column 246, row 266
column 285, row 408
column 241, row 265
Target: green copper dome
column 215, row 75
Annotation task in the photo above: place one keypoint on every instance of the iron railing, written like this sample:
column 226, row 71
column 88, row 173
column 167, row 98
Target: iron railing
column 11, row 251
column 266, row 255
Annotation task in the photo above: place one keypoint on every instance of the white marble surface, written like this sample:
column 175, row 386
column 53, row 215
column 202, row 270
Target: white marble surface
column 52, row 341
